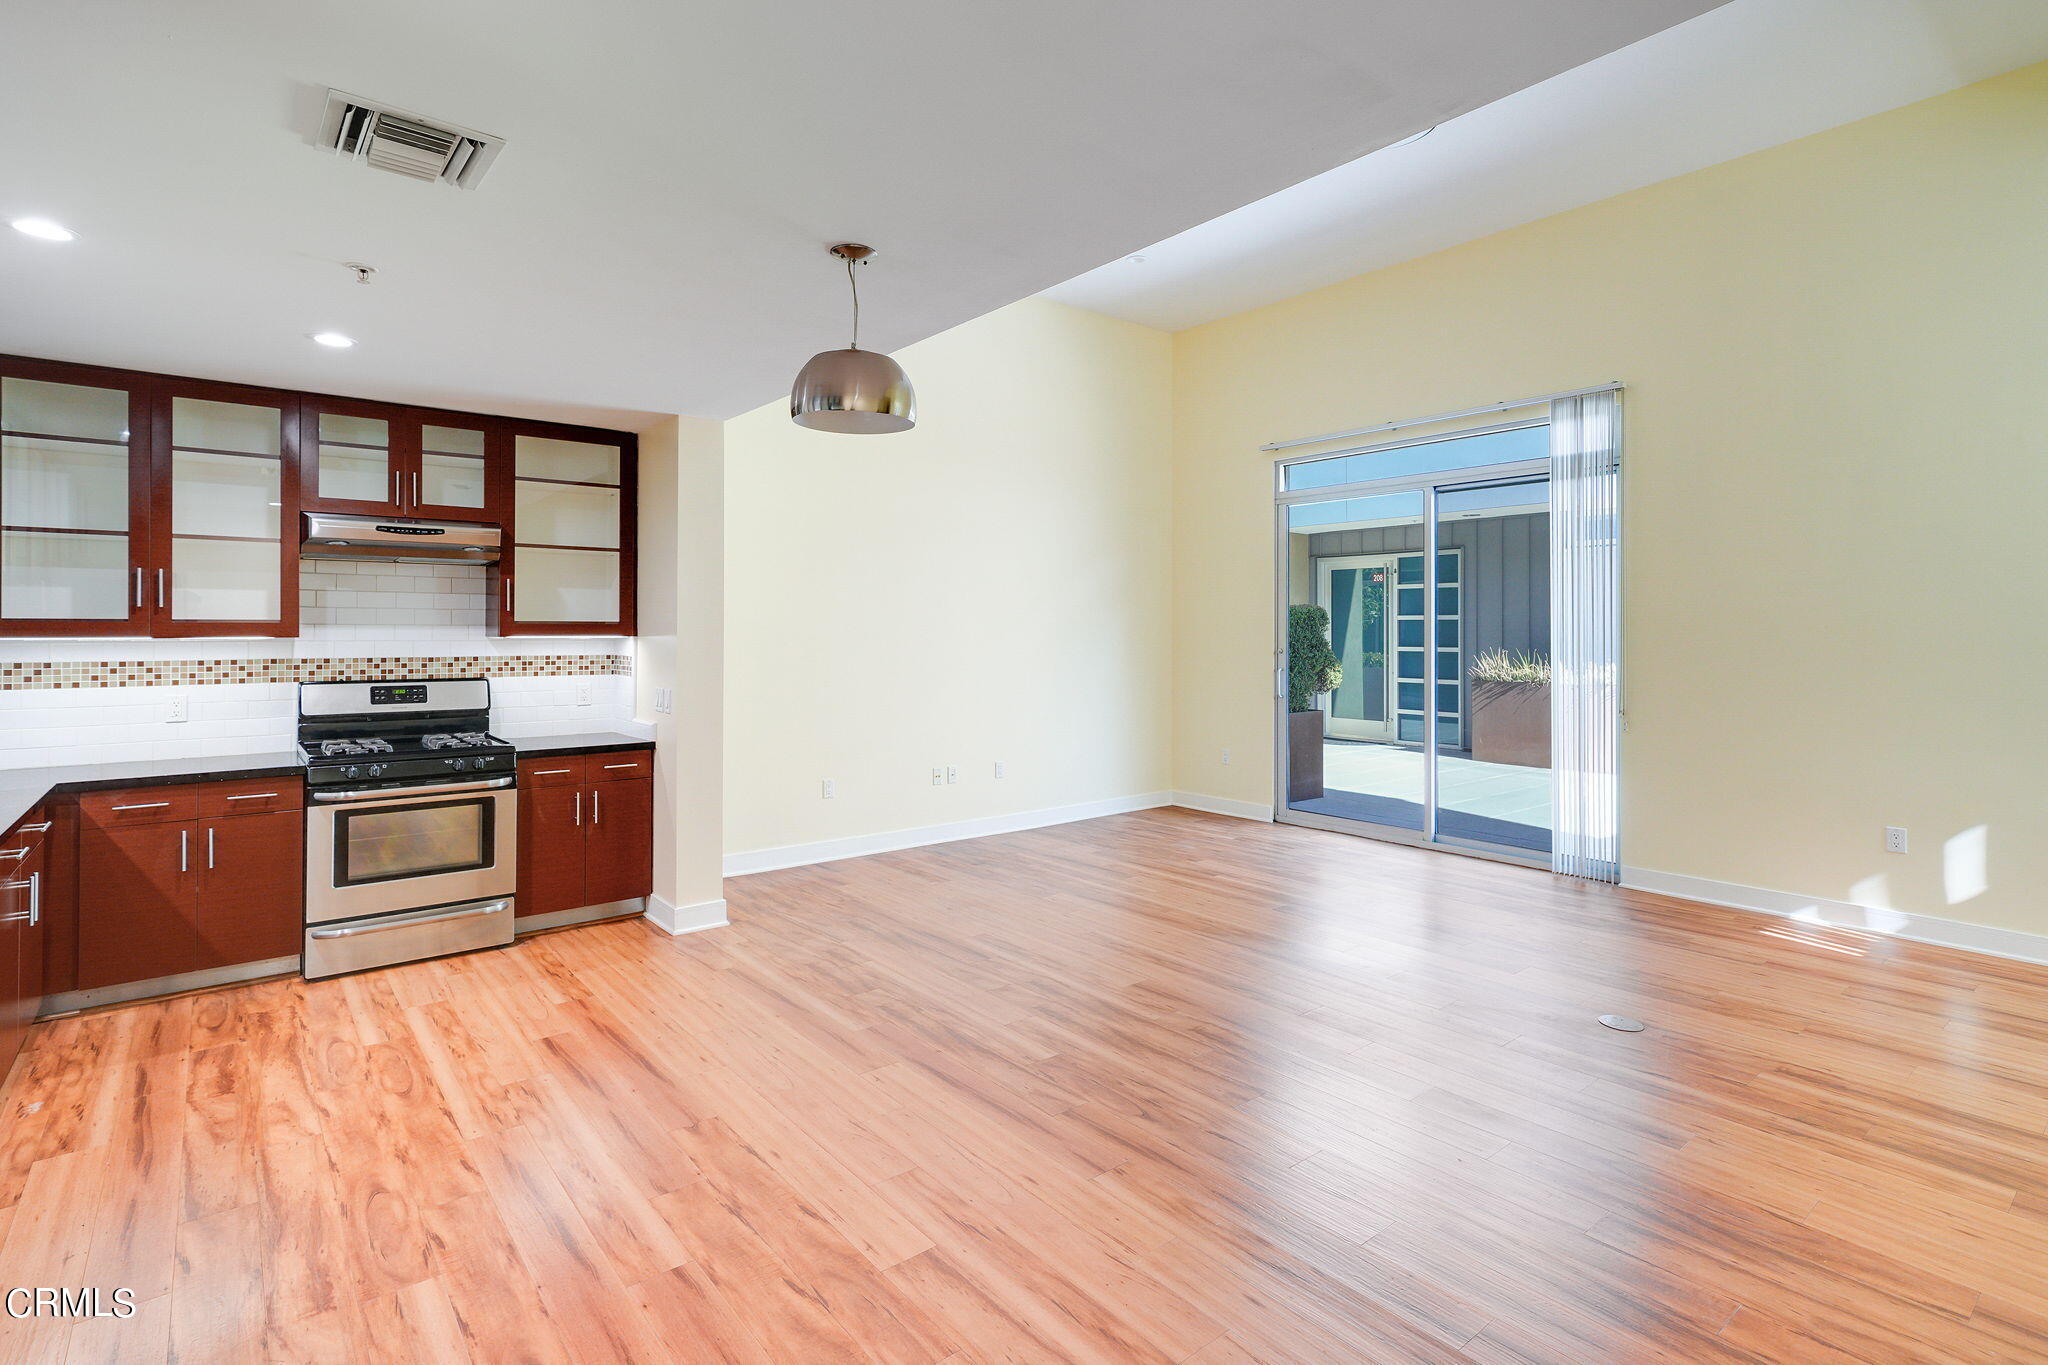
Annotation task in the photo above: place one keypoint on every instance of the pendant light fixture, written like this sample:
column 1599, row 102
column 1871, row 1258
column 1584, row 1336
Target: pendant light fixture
column 852, row 390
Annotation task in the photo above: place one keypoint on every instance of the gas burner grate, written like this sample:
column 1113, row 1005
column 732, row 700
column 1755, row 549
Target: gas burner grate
column 474, row 739
column 339, row 748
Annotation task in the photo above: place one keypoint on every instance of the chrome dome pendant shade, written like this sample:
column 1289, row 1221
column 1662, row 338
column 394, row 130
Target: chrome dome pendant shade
column 853, row 391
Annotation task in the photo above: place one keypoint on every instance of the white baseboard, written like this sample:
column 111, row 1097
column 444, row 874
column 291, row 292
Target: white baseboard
column 1219, row 805
column 1870, row 919
column 685, row 919
column 860, row 845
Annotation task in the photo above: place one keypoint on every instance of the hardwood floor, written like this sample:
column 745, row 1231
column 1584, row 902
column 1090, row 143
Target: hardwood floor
column 1159, row 1087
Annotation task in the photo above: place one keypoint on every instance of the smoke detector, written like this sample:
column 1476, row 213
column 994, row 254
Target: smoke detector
column 406, row 143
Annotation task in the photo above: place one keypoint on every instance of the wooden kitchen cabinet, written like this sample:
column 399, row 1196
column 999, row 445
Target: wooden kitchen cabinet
column 162, row 893
column 144, row 504
column 383, row 459
column 568, row 563
column 24, row 892
column 586, row 830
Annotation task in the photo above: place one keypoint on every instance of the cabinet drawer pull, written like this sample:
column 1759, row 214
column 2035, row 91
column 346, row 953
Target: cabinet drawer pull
column 255, row 796
column 622, row 765
column 551, row 772
column 13, row 853
column 36, row 828
column 141, row 805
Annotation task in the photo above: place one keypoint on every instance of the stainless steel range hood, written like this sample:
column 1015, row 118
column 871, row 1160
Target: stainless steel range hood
column 329, row 536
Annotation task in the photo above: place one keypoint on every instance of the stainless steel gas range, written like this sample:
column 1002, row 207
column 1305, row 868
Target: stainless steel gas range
column 412, row 822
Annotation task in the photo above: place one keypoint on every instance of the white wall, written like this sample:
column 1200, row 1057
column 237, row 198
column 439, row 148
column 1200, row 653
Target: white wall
column 992, row 585
column 682, row 568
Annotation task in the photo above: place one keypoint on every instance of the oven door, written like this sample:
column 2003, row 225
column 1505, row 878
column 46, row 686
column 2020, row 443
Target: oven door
column 370, row 853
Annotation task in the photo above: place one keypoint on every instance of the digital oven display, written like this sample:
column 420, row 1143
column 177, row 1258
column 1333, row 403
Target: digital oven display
column 393, row 694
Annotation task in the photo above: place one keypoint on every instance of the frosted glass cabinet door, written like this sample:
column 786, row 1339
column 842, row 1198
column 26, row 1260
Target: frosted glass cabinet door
column 451, row 469
column 571, row 536
column 229, row 523
column 352, row 462
column 68, row 476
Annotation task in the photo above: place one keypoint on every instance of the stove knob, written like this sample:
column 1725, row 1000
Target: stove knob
column 349, row 771
column 458, row 763
column 376, row 770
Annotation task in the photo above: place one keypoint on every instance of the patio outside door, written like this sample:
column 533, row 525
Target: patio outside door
column 1354, row 590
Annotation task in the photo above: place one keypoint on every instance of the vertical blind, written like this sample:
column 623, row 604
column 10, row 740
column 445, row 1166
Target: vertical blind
column 1585, row 634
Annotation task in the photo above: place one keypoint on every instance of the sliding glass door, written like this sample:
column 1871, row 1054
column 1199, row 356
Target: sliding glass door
column 1416, row 642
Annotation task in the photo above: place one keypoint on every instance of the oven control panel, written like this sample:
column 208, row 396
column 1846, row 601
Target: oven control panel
column 398, row 694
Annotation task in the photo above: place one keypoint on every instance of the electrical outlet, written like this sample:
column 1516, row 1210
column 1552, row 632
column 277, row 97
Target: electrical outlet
column 1226, row 758
column 828, row 789
column 583, row 691
column 1002, row 770
column 664, row 700
column 952, row 773
column 176, row 713
column 938, row 777
column 1895, row 838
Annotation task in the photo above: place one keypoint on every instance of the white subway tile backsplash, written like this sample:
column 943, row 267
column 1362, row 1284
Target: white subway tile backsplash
column 348, row 610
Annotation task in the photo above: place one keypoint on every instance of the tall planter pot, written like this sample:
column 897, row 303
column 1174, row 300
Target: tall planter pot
column 1304, row 755
column 1511, row 723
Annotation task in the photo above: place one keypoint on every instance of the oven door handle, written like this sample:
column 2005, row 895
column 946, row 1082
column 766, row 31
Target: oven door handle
column 412, row 922
column 410, row 793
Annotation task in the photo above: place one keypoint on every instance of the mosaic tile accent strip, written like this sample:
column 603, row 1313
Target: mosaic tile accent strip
column 201, row 672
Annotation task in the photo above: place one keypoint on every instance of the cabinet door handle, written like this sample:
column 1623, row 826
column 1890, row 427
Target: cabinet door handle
column 141, row 805
column 594, row 817
column 184, row 850
column 579, row 811
column 209, row 848
column 138, row 585
column 159, row 588
column 35, row 898
column 508, row 594
column 419, row 497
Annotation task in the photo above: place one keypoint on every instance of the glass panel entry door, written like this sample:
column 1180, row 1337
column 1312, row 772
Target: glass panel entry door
column 1355, row 591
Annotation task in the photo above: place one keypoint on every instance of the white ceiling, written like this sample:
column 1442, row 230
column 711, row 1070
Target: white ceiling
column 651, row 239
column 1749, row 75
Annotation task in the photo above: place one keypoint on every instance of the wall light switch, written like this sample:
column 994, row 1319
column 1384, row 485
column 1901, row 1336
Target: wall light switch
column 176, row 713
column 829, row 790
column 1002, row 770
column 1894, row 839
column 952, row 774
column 1226, row 758
column 938, row 777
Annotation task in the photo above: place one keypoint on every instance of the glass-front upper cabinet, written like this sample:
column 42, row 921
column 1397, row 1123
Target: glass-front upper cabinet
column 227, row 540
column 380, row 459
column 569, row 568
column 74, row 500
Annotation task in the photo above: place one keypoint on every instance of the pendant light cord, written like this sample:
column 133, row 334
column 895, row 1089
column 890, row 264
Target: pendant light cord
column 854, row 284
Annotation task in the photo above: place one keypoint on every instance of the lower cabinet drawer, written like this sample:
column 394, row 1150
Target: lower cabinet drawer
column 251, row 796
column 139, row 805
column 619, row 767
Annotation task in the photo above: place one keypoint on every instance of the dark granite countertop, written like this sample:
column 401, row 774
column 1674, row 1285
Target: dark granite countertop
column 22, row 789
column 587, row 742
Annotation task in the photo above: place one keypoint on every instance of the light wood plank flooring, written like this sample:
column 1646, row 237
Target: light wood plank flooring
column 1160, row 1087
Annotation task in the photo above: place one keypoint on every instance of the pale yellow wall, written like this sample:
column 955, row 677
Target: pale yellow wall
column 1836, row 354
column 990, row 585
column 681, row 563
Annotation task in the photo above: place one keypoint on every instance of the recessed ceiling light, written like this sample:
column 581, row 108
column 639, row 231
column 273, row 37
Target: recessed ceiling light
column 1135, row 260
column 335, row 339
column 44, row 228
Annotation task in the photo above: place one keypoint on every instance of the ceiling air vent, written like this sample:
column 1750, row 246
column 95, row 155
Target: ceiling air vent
column 405, row 143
